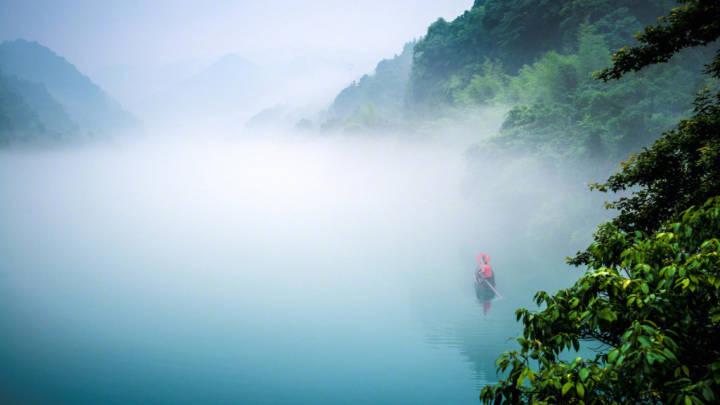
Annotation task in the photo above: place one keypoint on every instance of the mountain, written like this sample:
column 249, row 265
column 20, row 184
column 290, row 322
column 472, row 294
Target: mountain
column 282, row 117
column 385, row 88
column 17, row 120
column 48, row 110
column 515, row 34
column 221, row 92
column 535, row 58
column 538, row 57
column 84, row 102
column 29, row 113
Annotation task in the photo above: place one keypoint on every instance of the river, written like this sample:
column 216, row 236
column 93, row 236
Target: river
column 263, row 270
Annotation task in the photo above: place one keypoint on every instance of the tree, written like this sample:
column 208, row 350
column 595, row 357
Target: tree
column 651, row 297
column 655, row 315
column 682, row 168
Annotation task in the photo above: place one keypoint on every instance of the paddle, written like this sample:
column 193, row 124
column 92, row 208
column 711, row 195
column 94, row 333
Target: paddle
column 492, row 288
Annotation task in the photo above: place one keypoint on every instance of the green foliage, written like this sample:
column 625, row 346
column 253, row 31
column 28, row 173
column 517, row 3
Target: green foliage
column 482, row 88
column 653, row 310
column 514, row 34
column 683, row 167
column 541, row 59
column 651, row 297
column 563, row 112
column 456, row 48
column 694, row 23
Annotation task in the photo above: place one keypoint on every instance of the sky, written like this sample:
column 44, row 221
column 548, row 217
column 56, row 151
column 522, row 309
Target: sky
column 100, row 34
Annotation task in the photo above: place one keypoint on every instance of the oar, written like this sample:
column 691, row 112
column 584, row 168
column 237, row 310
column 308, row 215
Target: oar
column 493, row 288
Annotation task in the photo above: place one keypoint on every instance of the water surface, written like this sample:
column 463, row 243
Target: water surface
column 330, row 270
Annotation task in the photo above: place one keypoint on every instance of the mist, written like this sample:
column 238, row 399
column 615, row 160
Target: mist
column 262, row 268
column 239, row 239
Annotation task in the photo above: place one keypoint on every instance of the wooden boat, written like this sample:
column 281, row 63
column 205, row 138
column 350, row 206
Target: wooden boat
column 485, row 288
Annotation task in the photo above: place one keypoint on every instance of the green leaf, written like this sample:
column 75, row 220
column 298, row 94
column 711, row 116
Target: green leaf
column 566, row 387
column 613, row 355
column 607, row 315
column 644, row 342
column 580, row 388
column 522, row 376
column 584, row 373
column 707, row 393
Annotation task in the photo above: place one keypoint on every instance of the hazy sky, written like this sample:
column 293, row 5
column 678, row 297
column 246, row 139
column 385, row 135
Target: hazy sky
column 97, row 34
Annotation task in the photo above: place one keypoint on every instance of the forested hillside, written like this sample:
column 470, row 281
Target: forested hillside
column 537, row 58
column 517, row 33
column 45, row 97
column 17, row 119
column 377, row 99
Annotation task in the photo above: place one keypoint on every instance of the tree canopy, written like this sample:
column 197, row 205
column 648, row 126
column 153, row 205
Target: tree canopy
column 653, row 312
column 649, row 304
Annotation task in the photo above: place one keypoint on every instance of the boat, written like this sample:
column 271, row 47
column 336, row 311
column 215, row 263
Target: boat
column 485, row 288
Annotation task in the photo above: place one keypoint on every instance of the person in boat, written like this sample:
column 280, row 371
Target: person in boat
column 484, row 271
column 485, row 282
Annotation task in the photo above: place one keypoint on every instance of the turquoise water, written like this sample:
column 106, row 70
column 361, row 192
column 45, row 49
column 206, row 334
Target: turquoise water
column 330, row 271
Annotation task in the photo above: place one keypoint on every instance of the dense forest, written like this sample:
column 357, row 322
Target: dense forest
column 538, row 60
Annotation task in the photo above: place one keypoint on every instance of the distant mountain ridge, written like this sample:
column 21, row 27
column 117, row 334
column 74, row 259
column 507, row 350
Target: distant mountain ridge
column 221, row 92
column 48, row 110
column 63, row 100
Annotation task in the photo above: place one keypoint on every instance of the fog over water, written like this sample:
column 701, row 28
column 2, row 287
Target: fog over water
column 263, row 269
column 232, row 246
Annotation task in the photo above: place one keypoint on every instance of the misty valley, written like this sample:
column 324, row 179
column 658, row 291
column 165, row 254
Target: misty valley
column 485, row 201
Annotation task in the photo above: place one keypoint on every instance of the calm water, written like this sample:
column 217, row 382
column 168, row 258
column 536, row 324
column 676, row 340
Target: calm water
column 285, row 271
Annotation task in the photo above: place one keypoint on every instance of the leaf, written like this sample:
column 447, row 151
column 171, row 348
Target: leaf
column 613, row 355
column 584, row 373
column 669, row 354
column 645, row 289
column 566, row 387
column 607, row 315
column 707, row 393
column 580, row 388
